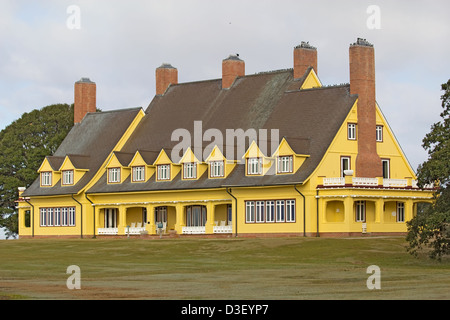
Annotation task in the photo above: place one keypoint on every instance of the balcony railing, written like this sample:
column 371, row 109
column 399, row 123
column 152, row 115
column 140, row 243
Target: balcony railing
column 369, row 182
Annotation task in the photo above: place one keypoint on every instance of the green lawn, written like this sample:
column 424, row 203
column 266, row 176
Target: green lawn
column 235, row 268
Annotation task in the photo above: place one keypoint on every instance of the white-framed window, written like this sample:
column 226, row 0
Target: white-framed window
column 385, row 164
column 254, row 166
column 290, row 210
column 400, row 212
column 113, row 175
column 280, row 211
column 190, row 170
column 285, row 164
column 270, row 211
column 250, row 211
column 67, row 177
column 138, row 173
column 64, row 216
column 379, row 133
column 71, row 216
column 351, row 131
column 259, row 211
column 46, row 178
column 163, row 172
column 345, row 165
column 216, row 169
column 57, row 217
column 360, row 207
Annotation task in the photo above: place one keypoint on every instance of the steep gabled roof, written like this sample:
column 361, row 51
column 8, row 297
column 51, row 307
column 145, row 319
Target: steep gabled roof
column 308, row 119
column 88, row 144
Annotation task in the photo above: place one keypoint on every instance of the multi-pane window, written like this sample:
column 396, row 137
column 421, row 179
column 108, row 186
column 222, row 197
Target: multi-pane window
column 114, row 175
column 351, row 131
column 284, row 164
column 269, row 211
column 67, row 177
column 216, row 169
column 400, row 212
column 163, row 172
column 189, row 170
column 55, row 217
column 379, row 133
column 46, row 178
column 138, row 174
column 360, row 211
column 290, row 210
column 280, row 214
column 254, row 166
column 259, row 211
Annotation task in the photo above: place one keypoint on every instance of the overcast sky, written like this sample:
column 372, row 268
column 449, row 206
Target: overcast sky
column 120, row 44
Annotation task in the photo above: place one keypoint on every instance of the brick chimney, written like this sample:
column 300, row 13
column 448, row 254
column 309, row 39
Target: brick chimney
column 85, row 98
column 362, row 83
column 165, row 76
column 305, row 56
column 232, row 67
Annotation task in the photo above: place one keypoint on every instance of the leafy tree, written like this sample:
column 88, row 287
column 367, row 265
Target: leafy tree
column 23, row 146
column 431, row 228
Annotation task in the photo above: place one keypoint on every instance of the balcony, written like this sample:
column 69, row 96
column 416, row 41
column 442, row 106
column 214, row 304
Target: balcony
column 369, row 182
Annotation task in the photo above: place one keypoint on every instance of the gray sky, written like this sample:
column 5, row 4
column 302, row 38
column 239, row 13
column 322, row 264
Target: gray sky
column 121, row 43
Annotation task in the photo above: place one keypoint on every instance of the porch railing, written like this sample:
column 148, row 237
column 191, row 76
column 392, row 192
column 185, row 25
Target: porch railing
column 223, row 229
column 108, row 231
column 194, row 230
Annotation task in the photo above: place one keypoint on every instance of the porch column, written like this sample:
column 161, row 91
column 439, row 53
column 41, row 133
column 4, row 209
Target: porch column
column 379, row 204
column 408, row 210
column 150, row 226
column 122, row 227
column 348, row 208
column 180, row 218
column 209, row 227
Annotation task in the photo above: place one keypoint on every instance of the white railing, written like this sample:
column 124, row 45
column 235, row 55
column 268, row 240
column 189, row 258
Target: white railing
column 334, row 181
column 223, row 229
column 396, row 183
column 193, row 230
column 108, row 231
column 365, row 181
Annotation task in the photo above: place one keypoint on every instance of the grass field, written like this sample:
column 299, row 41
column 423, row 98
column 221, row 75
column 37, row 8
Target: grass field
column 235, row 268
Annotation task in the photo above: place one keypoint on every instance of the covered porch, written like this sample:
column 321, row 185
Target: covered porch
column 170, row 217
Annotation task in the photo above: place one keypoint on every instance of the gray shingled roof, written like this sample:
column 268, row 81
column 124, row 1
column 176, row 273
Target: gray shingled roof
column 308, row 119
column 88, row 144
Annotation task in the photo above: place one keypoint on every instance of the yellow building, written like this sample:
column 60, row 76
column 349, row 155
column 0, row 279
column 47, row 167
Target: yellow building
column 274, row 153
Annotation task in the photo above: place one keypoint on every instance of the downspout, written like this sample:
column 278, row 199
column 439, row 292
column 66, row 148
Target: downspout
column 32, row 216
column 85, row 195
column 304, row 210
column 317, row 201
column 235, row 210
column 81, row 227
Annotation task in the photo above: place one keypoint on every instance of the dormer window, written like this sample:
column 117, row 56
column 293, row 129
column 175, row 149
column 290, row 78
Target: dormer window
column 138, row 174
column 46, row 179
column 285, row 164
column 254, row 166
column 190, row 170
column 216, row 169
column 67, row 176
column 113, row 175
column 163, row 172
